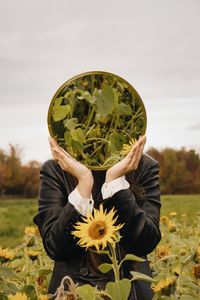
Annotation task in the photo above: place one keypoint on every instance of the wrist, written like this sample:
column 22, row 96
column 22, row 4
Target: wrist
column 86, row 175
column 84, row 191
column 85, row 185
column 109, row 177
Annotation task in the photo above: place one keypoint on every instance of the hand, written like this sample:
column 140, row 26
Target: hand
column 75, row 168
column 129, row 162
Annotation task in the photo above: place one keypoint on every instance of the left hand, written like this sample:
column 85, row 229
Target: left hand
column 129, row 162
column 74, row 167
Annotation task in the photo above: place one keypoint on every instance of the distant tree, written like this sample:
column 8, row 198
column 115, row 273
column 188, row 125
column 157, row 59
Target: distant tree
column 3, row 171
column 14, row 177
column 31, row 179
column 179, row 170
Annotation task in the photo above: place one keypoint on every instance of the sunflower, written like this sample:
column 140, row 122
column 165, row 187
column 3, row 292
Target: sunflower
column 176, row 270
column 171, row 227
column 183, row 251
column 166, row 286
column 164, row 220
column 31, row 230
column 6, row 255
column 162, row 251
column 33, row 255
column 127, row 147
column 173, row 214
column 98, row 230
column 17, row 296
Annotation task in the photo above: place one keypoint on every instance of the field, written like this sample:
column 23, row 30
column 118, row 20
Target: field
column 175, row 263
column 17, row 214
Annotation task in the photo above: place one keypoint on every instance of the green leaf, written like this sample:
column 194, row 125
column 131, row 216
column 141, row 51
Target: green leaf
column 105, row 268
column 70, row 123
column 78, row 135
column 67, row 137
column 86, row 96
column 119, row 290
column 116, row 141
column 86, row 292
column 45, row 272
column 3, row 287
column 5, row 272
column 76, row 148
column 120, row 123
column 12, row 287
column 29, row 290
column 133, row 257
column 61, row 112
column 105, row 100
column 57, row 103
column 141, row 276
column 124, row 109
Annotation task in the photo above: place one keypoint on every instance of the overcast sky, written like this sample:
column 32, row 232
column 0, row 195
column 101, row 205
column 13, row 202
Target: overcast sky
column 155, row 45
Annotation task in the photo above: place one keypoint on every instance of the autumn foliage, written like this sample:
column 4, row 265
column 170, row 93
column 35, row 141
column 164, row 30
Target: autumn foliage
column 179, row 172
column 17, row 179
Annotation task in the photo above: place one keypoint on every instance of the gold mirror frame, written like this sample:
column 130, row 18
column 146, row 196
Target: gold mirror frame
column 65, row 86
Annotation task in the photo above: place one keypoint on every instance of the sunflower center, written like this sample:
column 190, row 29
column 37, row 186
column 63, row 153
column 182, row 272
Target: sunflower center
column 97, row 230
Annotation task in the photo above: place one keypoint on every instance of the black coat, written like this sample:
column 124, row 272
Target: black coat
column 140, row 214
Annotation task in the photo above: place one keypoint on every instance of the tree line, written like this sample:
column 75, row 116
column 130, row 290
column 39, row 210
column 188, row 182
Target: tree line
column 179, row 172
column 17, row 179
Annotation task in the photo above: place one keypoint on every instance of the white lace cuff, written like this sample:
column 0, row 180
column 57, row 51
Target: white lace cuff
column 83, row 205
column 116, row 185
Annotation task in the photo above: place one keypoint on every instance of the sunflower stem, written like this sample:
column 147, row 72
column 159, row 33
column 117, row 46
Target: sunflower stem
column 90, row 118
column 114, row 260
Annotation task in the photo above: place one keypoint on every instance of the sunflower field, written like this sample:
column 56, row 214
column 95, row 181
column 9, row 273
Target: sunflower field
column 25, row 270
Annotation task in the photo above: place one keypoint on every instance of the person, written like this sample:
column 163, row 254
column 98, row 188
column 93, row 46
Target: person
column 68, row 190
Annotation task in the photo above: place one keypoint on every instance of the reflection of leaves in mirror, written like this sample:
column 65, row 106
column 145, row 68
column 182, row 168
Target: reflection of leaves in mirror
column 94, row 116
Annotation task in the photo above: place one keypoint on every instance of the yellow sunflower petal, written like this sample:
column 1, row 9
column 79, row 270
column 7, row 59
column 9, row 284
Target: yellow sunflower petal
column 97, row 230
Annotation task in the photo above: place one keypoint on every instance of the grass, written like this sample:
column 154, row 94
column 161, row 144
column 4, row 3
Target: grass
column 182, row 204
column 16, row 214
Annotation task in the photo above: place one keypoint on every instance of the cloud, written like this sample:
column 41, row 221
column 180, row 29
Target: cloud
column 154, row 45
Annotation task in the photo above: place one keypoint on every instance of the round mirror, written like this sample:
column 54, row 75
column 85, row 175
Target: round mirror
column 96, row 117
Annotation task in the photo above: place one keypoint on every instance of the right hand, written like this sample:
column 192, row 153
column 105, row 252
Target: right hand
column 74, row 167
column 129, row 162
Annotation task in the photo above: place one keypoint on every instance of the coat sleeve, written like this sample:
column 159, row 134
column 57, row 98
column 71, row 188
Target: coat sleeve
column 140, row 233
column 56, row 216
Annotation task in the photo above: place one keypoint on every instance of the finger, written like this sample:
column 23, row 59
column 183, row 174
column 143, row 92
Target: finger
column 135, row 153
column 65, row 152
column 134, row 149
column 53, row 143
column 53, row 151
column 139, row 153
column 143, row 141
column 51, row 140
column 135, row 157
column 59, row 154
